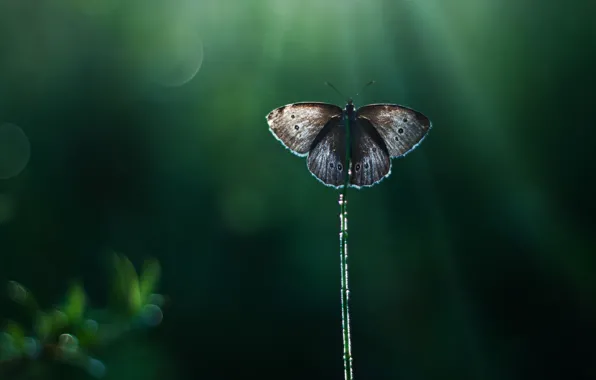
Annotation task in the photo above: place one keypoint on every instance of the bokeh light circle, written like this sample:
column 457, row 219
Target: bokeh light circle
column 96, row 368
column 15, row 150
column 31, row 347
column 152, row 315
column 178, row 61
column 170, row 55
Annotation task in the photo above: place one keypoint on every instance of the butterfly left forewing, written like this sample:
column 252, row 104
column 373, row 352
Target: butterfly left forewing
column 370, row 158
column 401, row 128
column 326, row 159
column 297, row 125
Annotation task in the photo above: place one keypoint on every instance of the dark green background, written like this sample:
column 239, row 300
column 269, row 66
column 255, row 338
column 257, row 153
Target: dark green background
column 475, row 259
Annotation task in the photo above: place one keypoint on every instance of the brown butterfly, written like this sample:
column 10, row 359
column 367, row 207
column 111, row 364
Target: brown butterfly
column 378, row 132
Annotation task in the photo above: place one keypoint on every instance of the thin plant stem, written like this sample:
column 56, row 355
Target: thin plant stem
column 343, row 253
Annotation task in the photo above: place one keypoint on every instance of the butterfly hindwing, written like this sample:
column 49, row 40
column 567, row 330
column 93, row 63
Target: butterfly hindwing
column 401, row 128
column 326, row 159
column 370, row 158
column 297, row 125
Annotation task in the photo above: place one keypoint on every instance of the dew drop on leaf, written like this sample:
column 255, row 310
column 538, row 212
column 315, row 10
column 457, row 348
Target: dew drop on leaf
column 96, row 368
column 31, row 347
column 152, row 315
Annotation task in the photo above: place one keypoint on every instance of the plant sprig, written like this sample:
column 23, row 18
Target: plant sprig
column 69, row 332
column 343, row 254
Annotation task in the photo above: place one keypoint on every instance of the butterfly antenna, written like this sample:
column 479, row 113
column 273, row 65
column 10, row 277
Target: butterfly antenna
column 336, row 90
column 365, row 86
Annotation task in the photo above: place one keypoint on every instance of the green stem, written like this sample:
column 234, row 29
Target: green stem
column 343, row 253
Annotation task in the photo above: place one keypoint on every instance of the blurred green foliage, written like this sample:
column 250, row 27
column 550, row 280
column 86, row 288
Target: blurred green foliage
column 69, row 333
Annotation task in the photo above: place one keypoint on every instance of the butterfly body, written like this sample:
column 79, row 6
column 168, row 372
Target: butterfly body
column 349, row 111
column 377, row 133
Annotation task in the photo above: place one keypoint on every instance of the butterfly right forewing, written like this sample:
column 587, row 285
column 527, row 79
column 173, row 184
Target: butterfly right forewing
column 297, row 125
column 401, row 128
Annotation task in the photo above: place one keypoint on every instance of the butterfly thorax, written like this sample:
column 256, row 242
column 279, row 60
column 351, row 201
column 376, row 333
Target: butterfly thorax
column 350, row 111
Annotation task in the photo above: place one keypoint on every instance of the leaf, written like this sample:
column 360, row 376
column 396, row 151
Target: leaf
column 21, row 295
column 17, row 333
column 126, row 285
column 43, row 325
column 149, row 279
column 87, row 332
column 134, row 297
column 17, row 292
column 59, row 319
column 75, row 303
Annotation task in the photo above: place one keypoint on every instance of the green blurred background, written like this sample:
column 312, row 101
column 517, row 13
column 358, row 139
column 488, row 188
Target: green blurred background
column 145, row 124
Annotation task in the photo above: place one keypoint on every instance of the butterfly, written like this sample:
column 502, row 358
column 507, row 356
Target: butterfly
column 378, row 132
